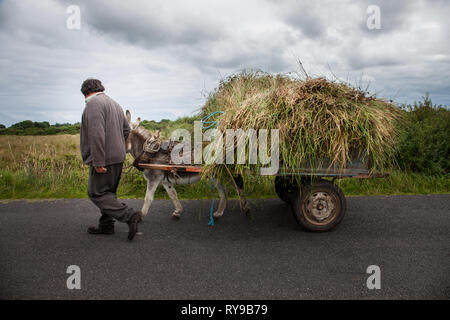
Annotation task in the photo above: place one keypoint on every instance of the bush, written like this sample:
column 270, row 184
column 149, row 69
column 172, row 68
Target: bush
column 30, row 128
column 23, row 125
column 424, row 144
column 168, row 126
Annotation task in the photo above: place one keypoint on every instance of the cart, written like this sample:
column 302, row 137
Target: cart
column 317, row 203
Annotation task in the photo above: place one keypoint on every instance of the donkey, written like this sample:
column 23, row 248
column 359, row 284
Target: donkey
column 135, row 145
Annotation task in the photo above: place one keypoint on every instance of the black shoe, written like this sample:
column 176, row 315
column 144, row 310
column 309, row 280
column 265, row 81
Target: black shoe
column 100, row 230
column 132, row 224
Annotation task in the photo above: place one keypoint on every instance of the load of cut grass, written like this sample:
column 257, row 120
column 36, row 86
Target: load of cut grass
column 319, row 121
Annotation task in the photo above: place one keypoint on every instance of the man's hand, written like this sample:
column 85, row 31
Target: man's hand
column 100, row 169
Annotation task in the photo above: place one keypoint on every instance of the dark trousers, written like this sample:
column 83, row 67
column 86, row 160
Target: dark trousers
column 102, row 190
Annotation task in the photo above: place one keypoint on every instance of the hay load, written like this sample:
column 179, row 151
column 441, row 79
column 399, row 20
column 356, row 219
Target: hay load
column 317, row 119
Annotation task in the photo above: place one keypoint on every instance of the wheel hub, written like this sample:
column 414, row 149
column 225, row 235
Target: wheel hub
column 320, row 205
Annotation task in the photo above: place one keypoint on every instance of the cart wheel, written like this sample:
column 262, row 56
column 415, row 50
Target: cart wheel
column 320, row 207
column 286, row 188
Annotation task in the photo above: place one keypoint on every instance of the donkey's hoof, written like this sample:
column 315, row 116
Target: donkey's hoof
column 176, row 216
column 217, row 216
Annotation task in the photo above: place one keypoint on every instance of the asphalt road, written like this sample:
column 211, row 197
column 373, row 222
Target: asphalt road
column 271, row 257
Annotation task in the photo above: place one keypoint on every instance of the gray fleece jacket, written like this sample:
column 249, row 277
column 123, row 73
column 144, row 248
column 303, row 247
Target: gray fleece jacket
column 104, row 130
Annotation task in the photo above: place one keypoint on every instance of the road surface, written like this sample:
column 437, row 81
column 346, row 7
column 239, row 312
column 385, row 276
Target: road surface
column 269, row 257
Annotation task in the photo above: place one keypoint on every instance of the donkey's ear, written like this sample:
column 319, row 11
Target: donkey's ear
column 128, row 116
column 157, row 133
column 138, row 122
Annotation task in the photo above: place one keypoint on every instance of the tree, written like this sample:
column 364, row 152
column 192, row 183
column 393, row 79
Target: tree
column 43, row 124
column 23, row 124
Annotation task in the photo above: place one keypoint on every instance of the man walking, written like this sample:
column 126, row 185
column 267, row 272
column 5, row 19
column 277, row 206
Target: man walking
column 104, row 130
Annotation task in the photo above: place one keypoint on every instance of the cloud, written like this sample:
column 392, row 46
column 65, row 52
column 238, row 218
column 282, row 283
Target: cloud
column 159, row 57
column 152, row 24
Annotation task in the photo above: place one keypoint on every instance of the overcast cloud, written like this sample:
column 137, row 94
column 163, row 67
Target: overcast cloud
column 158, row 58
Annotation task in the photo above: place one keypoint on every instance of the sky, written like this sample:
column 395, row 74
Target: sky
column 161, row 58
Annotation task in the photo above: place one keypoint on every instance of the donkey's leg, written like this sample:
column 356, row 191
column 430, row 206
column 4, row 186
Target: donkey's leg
column 242, row 199
column 154, row 178
column 174, row 197
column 223, row 198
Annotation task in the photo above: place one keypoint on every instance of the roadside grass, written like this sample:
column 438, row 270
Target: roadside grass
column 398, row 183
column 41, row 167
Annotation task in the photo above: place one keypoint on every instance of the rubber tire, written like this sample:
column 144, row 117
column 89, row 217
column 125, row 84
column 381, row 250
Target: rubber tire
column 286, row 188
column 319, row 186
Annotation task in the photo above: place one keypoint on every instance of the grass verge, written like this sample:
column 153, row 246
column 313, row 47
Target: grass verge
column 26, row 185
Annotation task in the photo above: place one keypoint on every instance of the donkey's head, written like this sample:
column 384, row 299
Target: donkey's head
column 138, row 135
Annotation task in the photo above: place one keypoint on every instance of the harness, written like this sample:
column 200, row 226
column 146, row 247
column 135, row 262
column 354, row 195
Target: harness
column 152, row 146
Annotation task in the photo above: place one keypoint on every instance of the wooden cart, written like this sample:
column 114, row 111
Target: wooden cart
column 317, row 203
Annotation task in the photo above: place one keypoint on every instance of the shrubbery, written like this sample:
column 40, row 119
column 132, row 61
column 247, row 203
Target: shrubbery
column 424, row 144
column 168, row 126
column 30, row 128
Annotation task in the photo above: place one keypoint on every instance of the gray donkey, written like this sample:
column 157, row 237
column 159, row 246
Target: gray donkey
column 135, row 146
